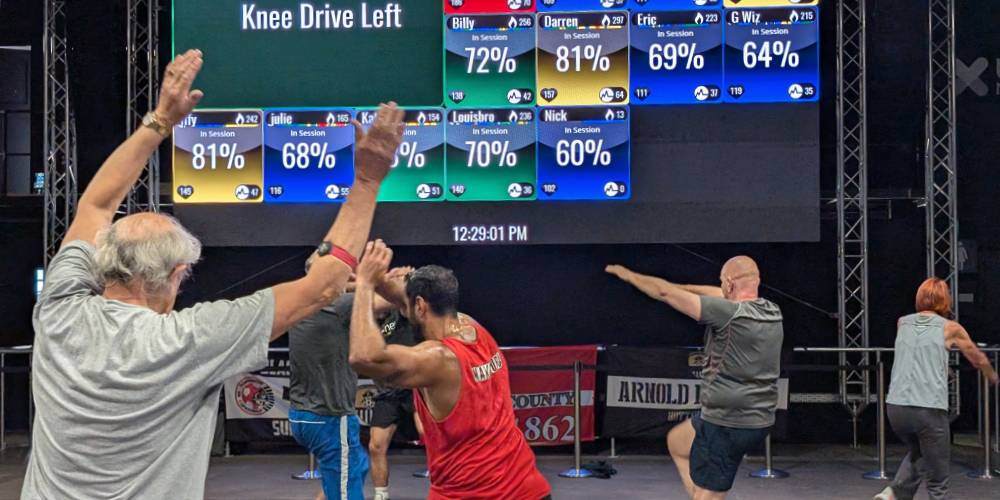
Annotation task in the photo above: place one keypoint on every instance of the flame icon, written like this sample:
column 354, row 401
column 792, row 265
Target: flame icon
column 699, row 18
column 610, row 115
column 421, row 118
column 513, row 117
column 331, row 120
column 513, row 23
column 606, row 21
column 239, row 119
column 794, row 18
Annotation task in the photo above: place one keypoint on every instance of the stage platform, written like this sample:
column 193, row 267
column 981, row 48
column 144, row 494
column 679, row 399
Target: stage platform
column 816, row 473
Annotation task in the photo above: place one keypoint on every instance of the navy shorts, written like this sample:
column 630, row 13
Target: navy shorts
column 717, row 452
column 336, row 442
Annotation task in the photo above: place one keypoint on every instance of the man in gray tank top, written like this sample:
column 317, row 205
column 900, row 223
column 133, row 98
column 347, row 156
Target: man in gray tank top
column 917, row 403
column 740, row 381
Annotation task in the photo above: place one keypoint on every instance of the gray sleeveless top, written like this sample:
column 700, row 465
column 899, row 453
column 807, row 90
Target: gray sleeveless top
column 920, row 368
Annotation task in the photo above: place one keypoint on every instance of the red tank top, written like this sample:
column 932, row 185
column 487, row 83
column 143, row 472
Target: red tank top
column 477, row 452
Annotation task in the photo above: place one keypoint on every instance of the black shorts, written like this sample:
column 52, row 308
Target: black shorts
column 393, row 408
column 717, row 452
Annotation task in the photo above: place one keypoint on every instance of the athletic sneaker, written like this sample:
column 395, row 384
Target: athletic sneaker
column 885, row 495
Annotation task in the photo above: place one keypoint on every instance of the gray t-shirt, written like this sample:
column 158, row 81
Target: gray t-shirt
column 322, row 381
column 740, row 380
column 128, row 398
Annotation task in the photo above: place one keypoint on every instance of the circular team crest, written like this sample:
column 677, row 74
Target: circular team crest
column 254, row 396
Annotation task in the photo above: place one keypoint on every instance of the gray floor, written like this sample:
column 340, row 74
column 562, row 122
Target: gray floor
column 816, row 473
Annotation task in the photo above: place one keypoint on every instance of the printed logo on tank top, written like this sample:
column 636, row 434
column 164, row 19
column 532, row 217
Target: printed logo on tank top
column 483, row 372
column 388, row 329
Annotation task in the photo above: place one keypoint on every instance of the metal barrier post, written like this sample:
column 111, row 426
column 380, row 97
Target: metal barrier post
column 880, row 473
column 996, row 407
column 3, row 401
column 309, row 474
column 613, row 453
column 985, row 436
column 768, row 472
column 576, row 471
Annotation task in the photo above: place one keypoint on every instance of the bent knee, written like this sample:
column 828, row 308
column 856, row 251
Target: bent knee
column 378, row 446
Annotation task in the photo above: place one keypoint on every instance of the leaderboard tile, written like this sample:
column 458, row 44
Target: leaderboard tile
column 676, row 57
column 418, row 169
column 308, row 155
column 769, row 3
column 490, row 60
column 488, row 6
column 583, row 153
column 579, row 5
column 218, row 157
column 583, row 58
column 772, row 55
column 642, row 5
column 491, row 154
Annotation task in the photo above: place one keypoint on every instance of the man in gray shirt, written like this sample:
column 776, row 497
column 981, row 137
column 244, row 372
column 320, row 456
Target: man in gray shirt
column 739, row 387
column 323, row 390
column 127, row 389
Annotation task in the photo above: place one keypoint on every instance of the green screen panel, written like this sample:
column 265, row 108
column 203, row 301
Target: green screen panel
column 275, row 53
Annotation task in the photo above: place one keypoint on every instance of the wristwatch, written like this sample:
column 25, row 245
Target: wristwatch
column 324, row 249
column 153, row 121
column 328, row 248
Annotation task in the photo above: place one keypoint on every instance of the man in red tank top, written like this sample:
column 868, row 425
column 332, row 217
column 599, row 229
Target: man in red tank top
column 461, row 388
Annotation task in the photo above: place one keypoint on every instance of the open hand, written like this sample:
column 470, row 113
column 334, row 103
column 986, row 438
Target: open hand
column 375, row 150
column 374, row 263
column 176, row 97
column 621, row 272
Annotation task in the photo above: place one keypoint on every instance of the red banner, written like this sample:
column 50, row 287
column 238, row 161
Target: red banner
column 541, row 383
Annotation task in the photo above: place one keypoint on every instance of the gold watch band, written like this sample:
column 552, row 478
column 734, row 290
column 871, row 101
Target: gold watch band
column 155, row 122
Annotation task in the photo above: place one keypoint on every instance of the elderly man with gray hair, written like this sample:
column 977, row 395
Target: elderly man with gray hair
column 126, row 387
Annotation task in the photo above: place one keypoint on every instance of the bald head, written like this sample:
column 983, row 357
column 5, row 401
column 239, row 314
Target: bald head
column 740, row 278
column 144, row 250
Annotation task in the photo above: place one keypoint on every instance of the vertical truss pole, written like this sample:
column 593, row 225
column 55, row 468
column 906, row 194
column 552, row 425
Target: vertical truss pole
column 941, row 181
column 852, row 202
column 60, row 131
column 941, row 169
column 142, row 75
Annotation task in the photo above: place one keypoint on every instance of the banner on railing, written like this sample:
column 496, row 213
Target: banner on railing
column 649, row 390
column 541, row 382
column 256, row 404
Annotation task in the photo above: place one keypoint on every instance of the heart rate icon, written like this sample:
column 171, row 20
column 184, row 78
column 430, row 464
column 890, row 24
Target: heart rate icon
column 185, row 191
column 549, row 94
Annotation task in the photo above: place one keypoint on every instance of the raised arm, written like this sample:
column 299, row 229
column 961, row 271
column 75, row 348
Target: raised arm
column 704, row 290
column 106, row 191
column 682, row 300
column 327, row 277
column 957, row 336
column 422, row 366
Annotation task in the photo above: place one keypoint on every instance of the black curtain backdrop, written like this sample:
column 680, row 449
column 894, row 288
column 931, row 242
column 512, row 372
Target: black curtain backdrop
column 559, row 294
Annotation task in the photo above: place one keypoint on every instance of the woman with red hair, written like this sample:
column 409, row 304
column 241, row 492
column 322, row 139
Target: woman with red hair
column 918, row 393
